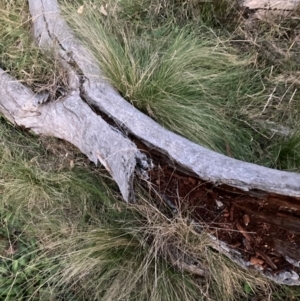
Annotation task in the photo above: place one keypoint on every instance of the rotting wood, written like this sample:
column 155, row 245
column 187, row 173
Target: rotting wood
column 51, row 31
column 283, row 248
column 221, row 211
column 283, row 221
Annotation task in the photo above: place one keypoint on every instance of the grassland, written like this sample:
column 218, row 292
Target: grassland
column 65, row 234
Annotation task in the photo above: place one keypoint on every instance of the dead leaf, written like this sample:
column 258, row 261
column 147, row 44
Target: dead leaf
column 103, row 10
column 80, row 9
column 256, row 261
column 246, row 219
column 267, row 259
column 244, row 232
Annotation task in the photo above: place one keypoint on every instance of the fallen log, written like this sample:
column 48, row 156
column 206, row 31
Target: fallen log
column 71, row 119
column 271, row 4
column 269, row 10
column 113, row 139
column 51, row 30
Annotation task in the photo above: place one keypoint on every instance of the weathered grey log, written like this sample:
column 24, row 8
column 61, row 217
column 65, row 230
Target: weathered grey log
column 72, row 120
column 271, row 4
column 51, row 30
column 271, row 10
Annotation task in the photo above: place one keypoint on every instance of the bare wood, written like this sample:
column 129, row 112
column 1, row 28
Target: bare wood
column 272, row 4
column 72, row 120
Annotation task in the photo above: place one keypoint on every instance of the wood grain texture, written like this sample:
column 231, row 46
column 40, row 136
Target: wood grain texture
column 272, row 4
column 51, row 29
column 71, row 119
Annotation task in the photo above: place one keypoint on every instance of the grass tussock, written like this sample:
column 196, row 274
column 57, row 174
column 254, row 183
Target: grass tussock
column 192, row 79
column 178, row 79
column 33, row 186
column 133, row 258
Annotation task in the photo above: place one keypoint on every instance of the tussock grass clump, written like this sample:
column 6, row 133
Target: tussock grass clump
column 132, row 257
column 182, row 81
column 35, row 188
column 190, row 79
column 102, row 265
